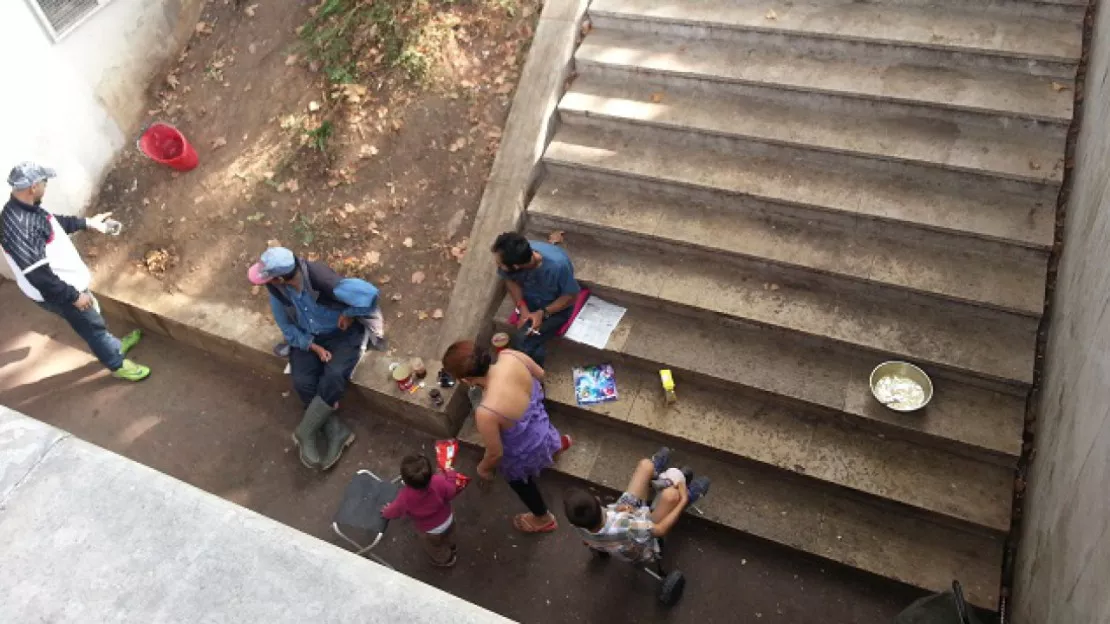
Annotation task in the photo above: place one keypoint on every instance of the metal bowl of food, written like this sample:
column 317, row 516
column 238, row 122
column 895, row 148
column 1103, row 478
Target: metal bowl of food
column 901, row 386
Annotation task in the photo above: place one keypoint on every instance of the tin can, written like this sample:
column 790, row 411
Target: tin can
column 402, row 374
column 500, row 341
column 436, row 396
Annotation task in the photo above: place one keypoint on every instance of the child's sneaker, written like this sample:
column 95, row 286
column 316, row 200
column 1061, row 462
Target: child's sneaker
column 660, row 459
column 697, row 489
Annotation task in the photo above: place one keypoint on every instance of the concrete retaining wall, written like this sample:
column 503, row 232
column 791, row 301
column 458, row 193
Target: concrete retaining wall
column 1064, row 558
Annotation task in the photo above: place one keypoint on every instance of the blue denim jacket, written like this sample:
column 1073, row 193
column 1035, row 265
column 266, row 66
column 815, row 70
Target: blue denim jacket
column 314, row 319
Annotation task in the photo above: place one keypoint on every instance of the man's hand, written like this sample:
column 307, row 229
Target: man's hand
column 83, row 302
column 344, row 322
column 536, row 318
column 322, row 353
column 98, row 222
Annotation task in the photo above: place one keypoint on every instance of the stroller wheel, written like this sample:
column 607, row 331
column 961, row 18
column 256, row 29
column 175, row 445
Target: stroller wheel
column 670, row 592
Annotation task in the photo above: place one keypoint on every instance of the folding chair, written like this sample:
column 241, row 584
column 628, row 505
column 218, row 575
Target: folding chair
column 360, row 512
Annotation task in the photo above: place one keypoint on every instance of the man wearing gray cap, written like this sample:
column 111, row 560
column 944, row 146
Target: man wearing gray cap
column 49, row 270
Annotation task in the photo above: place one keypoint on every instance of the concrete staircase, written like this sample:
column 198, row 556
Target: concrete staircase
column 785, row 195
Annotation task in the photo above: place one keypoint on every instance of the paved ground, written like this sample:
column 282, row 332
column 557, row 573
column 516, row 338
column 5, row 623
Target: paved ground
column 227, row 431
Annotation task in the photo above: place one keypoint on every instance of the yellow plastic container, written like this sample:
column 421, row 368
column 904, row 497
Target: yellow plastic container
column 667, row 379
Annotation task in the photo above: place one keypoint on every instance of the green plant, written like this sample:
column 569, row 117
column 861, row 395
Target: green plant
column 318, row 138
column 303, row 228
column 344, row 32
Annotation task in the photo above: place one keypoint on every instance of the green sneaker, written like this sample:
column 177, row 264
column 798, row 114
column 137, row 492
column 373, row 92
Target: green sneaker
column 131, row 371
column 129, row 341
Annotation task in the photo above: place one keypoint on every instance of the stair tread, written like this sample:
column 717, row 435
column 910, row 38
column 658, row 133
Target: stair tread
column 944, row 28
column 787, row 438
column 773, row 365
column 791, row 511
column 1011, row 282
column 998, row 93
column 966, row 343
column 921, row 141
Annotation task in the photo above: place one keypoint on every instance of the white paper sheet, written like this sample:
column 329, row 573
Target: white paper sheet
column 595, row 323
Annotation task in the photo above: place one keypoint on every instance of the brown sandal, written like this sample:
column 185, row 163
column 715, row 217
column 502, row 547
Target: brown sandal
column 524, row 526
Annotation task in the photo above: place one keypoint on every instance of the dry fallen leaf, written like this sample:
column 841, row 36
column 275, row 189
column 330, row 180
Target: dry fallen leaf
column 422, row 315
column 379, row 215
column 292, row 186
column 250, row 10
column 203, row 28
column 385, row 279
column 252, row 48
column 556, row 237
column 373, row 257
column 407, row 242
column 458, row 252
column 219, row 142
column 1057, row 87
column 256, row 289
column 172, row 81
column 657, row 97
column 771, row 15
column 418, row 277
column 437, row 313
column 313, row 106
column 396, row 297
column 349, row 207
column 457, row 145
column 291, row 60
column 367, row 151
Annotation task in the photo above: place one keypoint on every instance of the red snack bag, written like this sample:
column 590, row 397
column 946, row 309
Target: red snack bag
column 461, row 481
column 445, row 457
column 445, row 453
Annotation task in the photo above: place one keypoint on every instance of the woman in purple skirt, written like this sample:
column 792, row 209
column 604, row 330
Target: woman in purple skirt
column 519, row 438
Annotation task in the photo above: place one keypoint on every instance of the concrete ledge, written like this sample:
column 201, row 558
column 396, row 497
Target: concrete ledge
column 240, row 336
column 517, row 168
column 96, row 537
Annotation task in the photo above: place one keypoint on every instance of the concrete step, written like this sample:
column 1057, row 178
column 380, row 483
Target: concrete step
column 796, row 512
column 944, row 154
column 891, row 257
column 770, row 365
column 960, row 345
column 947, row 488
column 940, row 36
column 974, row 95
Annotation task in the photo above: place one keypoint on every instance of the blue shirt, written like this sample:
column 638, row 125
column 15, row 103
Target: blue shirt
column 547, row 282
column 314, row 319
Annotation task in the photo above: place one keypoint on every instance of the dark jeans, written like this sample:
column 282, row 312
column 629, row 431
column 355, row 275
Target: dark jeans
column 536, row 346
column 89, row 324
column 312, row 377
column 529, row 492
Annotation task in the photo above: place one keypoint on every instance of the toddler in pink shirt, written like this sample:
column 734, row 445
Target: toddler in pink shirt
column 426, row 499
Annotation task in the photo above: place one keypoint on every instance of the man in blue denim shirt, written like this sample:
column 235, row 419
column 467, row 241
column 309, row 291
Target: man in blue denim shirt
column 324, row 318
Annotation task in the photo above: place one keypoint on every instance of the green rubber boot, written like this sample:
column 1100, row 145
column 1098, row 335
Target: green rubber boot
column 339, row 437
column 315, row 415
column 129, row 341
column 131, row 371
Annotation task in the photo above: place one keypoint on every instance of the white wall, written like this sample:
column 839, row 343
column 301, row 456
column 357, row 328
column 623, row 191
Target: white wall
column 73, row 105
column 1063, row 574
